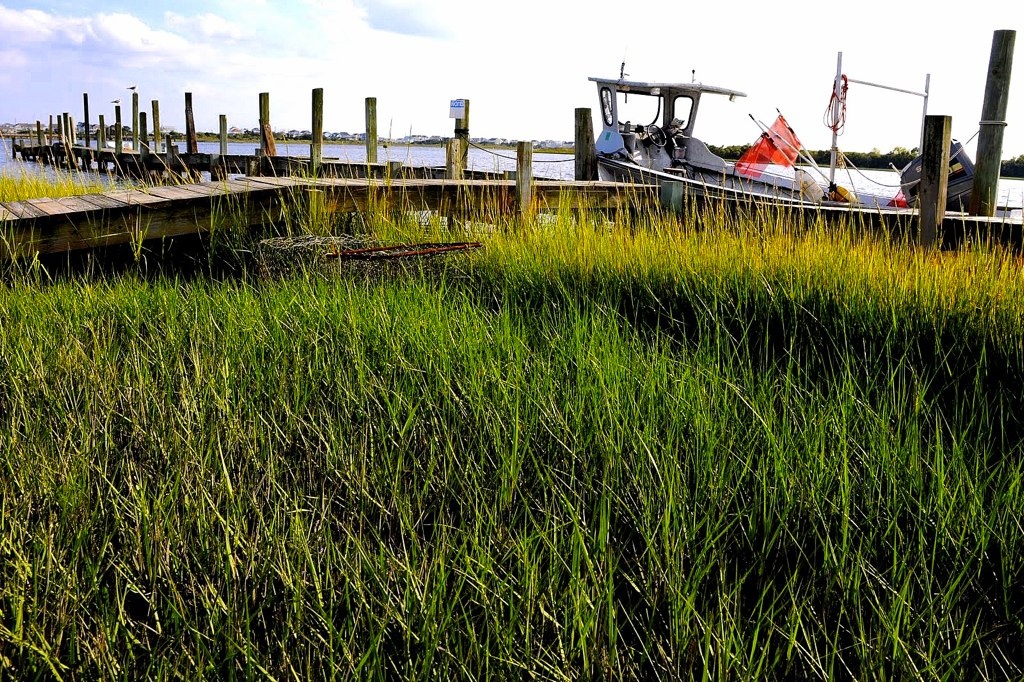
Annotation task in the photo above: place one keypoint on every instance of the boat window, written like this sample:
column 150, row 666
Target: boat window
column 682, row 107
column 638, row 108
column 606, row 106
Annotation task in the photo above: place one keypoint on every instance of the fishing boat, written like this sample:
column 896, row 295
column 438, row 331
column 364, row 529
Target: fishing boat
column 662, row 146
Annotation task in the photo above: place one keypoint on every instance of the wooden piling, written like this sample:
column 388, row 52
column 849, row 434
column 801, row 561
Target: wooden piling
column 66, row 139
column 156, row 126
column 371, row 130
column 984, row 194
column 101, row 134
column 462, row 134
column 585, row 152
column 49, row 132
column 118, row 130
column 267, row 145
column 39, row 133
column 85, row 115
column 453, row 159
column 524, row 177
column 143, row 138
column 934, row 178
column 223, row 135
column 316, row 144
column 191, row 142
column 135, row 120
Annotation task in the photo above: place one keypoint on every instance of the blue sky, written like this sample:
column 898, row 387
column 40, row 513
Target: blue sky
column 523, row 65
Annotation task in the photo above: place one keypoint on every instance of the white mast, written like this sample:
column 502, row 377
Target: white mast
column 836, row 113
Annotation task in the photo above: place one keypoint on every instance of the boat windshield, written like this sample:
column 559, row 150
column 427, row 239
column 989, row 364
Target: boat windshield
column 637, row 108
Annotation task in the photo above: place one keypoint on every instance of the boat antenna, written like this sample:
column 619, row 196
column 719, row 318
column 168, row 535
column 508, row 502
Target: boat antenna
column 622, row 70
column 693, row 75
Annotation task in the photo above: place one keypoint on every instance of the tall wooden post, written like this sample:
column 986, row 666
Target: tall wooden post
column 191, row 142
column 462, row 135
column 524, row 177
column 156, row 126
column 267, row 145
column 223, row 135
column 143, row 138
column 118, row 130
column 585, row 152
column 85, row 115
column 65, row 129
column 39, row 133
column 453, row 168
column 316, row 144
column 984, row 193
column 101, row 134
column 934, row 178
column 371, row 130
column 218, row 167
column 135, row 120
column 49, row 132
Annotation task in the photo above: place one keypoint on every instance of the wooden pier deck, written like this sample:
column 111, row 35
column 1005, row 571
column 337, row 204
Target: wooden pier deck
column 173, row 165
column 44, row 226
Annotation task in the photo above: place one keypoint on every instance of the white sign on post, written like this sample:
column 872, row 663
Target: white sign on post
column 457, row 108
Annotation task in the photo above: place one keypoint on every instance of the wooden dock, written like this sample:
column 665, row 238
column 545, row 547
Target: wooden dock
column 134, row 216
column 174, row 166
column 45, row 226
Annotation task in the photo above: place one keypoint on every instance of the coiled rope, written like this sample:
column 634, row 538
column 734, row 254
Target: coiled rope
column 834, row 117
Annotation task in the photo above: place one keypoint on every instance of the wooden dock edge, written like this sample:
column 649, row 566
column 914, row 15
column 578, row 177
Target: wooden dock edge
column 47, row 226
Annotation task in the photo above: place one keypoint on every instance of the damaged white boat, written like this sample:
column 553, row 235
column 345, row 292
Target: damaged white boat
column 663, row 146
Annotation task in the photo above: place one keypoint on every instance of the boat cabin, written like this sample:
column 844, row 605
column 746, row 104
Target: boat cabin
column 652, row 124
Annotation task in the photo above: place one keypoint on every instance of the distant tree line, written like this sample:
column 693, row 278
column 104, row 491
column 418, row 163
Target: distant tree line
column 898, row 157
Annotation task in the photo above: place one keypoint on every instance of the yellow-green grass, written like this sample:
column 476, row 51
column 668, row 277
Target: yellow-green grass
column 33, row 184
column 629, row 449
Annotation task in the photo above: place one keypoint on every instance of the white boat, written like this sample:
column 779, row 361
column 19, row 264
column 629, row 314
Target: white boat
column 663, row 146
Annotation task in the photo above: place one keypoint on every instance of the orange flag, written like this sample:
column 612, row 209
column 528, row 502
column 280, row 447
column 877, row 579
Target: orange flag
column 778, row 145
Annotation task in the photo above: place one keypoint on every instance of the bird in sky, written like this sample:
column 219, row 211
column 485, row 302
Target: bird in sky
column 115, row 101
column 132, row 88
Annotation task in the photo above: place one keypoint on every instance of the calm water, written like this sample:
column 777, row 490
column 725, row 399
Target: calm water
column 545, row 165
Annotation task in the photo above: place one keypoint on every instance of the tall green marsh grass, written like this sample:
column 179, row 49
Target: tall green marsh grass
column 630, row 450
column 31, row 184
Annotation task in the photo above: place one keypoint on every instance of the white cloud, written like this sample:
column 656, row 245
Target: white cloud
column 209, row 26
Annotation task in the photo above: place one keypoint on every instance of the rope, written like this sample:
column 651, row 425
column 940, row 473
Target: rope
column 834, row 117
column 849, row 164
column 512, row 158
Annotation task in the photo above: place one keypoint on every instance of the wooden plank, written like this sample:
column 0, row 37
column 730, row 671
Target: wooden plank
column 24, row 210
column 6, row 215
column 49, row 206
column 207, row 189
column 103, row 201
column 176, row 192
column 132, row 197
column 280, row 183
column 79, row 204
column 245, row 186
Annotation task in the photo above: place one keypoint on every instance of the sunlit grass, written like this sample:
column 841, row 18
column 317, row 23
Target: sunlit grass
column 32, row 184
column 627, row 449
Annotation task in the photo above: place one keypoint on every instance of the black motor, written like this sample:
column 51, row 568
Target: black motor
column 960, row 183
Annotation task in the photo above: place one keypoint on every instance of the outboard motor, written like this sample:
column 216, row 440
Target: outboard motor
column 960, row 183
